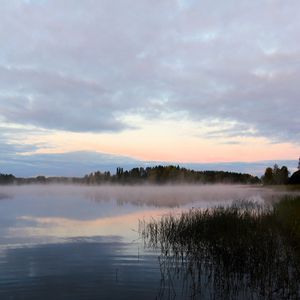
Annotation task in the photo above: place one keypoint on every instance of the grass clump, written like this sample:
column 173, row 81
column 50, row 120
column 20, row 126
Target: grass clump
column 243, row 251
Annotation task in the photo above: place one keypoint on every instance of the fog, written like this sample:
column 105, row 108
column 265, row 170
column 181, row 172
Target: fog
column 150, row 195
column 82, row 238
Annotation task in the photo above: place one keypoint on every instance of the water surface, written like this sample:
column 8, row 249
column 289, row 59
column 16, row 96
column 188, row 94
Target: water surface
column 82, row 242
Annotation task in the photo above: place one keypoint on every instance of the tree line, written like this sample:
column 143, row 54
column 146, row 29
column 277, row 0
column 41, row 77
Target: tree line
column 163, row 175
column 153, row 175
column 276, row 175
column 169, row 174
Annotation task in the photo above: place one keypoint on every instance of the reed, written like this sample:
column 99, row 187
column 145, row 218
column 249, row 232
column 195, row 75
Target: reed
column 243, row 251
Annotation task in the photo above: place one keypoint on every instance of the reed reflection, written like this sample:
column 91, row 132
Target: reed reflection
column 244, row 251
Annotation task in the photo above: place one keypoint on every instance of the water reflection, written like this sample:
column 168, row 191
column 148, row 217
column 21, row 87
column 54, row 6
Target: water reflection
column 48, row 213
column 50, row 244
column 5, row 196
column 97, row 268
column 239, row 252
column 124, row 225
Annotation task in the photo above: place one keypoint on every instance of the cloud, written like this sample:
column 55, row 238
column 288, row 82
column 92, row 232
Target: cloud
column 79, row 163
column 56, row 101
column 62, row 164
column 84, row 66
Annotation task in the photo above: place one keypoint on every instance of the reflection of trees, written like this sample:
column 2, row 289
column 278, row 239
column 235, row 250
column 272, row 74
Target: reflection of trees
column 5, row 196
column 240, row 252
column 175, row 195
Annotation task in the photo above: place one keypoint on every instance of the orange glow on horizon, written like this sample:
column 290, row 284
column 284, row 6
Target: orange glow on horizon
column 168, row 141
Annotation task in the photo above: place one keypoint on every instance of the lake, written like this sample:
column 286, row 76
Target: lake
column 82, row 242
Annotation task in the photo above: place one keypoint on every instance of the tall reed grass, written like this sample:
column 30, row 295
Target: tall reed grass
column 243, row 251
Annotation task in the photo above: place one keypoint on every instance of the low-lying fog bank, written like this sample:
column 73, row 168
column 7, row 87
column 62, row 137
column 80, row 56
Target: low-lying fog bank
column 158, row 195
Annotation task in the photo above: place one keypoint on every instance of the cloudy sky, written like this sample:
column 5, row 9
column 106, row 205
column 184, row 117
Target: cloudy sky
column 86, row 84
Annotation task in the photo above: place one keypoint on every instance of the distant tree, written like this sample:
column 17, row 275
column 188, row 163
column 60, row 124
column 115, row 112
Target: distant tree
column 7, row 179
column 276, row 175
column 41, row 179
column 98, row 177
column 284, row 175
column 268, row 177
column 119, row 173
column 106, row 176
column 295, row 178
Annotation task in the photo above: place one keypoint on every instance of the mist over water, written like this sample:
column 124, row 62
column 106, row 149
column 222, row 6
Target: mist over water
column 152, row 195
column 84, row 239
column 35, row 213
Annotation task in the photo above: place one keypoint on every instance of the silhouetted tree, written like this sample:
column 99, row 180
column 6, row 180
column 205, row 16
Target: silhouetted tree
column 268, row 177
column 119, row 173
column 41, row 179
column 7, row 179
column 276, row 175
column 284, row 175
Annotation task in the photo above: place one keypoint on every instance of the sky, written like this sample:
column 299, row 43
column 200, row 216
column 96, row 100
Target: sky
column 88, row 85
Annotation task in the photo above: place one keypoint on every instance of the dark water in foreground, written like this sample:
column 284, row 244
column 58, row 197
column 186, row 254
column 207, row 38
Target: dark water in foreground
column 82, row 242
column 98, row 269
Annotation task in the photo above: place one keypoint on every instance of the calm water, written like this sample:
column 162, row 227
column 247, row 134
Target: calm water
column 72, row 242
